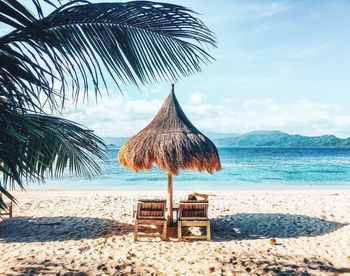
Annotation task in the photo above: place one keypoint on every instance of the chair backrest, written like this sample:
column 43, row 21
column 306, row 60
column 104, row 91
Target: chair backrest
column 151, row 209
column 193, row 209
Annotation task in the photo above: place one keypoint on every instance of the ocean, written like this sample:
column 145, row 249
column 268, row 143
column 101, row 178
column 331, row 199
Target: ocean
column 242, row 168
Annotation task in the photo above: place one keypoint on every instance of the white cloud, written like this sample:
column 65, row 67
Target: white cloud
column 114, row 116
column 302, row 116
column 195, row 98
column 122, row 116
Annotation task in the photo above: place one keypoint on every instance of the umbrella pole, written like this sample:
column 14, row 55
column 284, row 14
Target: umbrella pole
column 170, row 199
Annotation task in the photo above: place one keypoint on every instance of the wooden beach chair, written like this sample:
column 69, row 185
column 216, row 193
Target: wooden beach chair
column 193, row 213
column 150, row 212
column 9, row 211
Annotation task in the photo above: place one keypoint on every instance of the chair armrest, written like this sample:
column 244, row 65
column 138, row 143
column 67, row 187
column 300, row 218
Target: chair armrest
column 134, row 210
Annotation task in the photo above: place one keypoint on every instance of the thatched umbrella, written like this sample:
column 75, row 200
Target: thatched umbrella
column 171, row 142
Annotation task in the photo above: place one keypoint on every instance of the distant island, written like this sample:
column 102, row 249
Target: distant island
column 279, row 139
column 263, row 139
column 115, row 141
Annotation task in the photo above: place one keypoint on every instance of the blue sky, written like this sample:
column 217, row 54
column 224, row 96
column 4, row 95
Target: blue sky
column 279, row 65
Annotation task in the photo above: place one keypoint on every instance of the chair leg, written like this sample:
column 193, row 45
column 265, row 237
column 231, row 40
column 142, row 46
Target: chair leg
column 164, row 230
column 179, row 230
column 10, row 210
column 208, row 231
column 136, row 229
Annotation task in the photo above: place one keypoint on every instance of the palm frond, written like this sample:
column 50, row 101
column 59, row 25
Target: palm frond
column 136, row 42
column 35, row 146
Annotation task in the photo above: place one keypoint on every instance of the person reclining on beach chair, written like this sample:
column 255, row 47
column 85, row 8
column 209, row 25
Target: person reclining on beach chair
column 194, row 196
column 194, row 212
column 150, row 212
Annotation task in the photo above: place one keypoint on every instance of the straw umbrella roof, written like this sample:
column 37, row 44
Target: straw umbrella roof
column 171, row 142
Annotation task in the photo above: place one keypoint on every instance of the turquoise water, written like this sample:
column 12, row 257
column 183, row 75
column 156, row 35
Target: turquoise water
column 242, row 168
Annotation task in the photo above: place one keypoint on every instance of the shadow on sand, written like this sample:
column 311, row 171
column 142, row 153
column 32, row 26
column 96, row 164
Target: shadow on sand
column 281, row 265
column 231, row 227
column 266, row 225
column 238, row 265
column 287, row 266
column 62, row 228
column 44, row 268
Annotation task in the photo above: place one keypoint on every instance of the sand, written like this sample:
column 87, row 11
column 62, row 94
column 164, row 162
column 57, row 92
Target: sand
column 90, row 233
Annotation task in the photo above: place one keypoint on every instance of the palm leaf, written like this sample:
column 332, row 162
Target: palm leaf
column 35, row 146
column 136, row 42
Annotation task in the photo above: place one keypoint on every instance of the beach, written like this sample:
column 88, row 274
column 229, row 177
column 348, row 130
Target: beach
column 91, row 233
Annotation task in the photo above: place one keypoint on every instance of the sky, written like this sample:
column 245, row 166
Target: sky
column 280, row 65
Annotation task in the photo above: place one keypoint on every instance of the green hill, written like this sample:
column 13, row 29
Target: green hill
column 278, row 139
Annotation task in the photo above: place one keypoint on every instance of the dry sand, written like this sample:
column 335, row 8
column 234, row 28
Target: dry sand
column 90, row 233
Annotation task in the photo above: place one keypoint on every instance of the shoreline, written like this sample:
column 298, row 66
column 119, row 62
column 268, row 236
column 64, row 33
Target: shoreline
column 253, row 189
